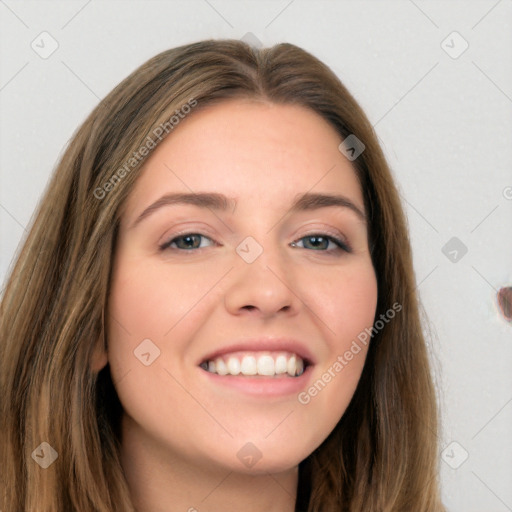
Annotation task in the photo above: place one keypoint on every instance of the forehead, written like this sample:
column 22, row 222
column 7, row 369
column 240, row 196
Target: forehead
column 262, row 151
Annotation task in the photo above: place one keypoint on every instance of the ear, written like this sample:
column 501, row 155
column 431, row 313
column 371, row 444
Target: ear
column 99, row 357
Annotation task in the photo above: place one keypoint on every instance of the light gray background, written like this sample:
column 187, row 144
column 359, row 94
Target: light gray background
column 444, row 123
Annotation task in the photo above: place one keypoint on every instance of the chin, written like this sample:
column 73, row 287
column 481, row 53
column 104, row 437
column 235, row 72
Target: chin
column 253, row 460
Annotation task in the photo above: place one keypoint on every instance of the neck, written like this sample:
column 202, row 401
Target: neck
column 164, row 482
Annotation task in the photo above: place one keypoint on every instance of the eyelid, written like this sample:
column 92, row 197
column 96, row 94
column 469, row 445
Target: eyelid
column 186, row 230
column 336, row 237
column 170, row 238
column 325, row 230
column 340, row 241
column 316, row 227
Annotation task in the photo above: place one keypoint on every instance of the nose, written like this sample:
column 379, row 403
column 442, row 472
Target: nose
column 264, row 287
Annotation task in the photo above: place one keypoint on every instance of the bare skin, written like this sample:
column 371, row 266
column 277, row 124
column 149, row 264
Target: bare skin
column 192, row 440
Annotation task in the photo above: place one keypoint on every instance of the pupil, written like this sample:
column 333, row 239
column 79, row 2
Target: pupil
column 316, row 240
column 189, row 240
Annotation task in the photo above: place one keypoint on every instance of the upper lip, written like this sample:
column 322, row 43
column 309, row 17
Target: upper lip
column 268, row 344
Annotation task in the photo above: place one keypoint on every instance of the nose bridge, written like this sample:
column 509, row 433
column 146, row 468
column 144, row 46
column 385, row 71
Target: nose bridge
column 261, row 276
column 263, row 258
column 261, row 245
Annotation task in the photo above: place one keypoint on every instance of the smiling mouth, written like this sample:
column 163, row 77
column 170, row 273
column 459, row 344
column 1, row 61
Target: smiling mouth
column 263, row 364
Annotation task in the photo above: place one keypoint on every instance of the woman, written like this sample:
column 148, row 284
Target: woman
column 215, row 307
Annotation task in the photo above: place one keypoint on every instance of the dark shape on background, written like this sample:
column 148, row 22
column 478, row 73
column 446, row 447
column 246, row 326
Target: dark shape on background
column 505, row 302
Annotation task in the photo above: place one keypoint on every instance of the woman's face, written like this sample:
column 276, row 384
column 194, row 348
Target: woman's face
column 242, row 274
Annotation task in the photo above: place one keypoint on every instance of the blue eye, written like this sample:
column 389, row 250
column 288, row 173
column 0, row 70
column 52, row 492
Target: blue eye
column 185, row 242
column 318, row 242
column 321, row 241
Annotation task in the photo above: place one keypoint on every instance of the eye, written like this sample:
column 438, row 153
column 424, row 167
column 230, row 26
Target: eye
column 185, row 241
column 322, row 241
column 318, row 241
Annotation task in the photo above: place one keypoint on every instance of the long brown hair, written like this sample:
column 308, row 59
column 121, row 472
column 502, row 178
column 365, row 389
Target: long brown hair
column 382, row 455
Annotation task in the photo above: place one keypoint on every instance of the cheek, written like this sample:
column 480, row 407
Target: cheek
column 157, row 303
column 147, row 300
column 144, row 305
column 138, row 311
column 346, row 302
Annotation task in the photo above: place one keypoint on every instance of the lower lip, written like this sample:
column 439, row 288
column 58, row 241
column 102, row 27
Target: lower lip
column 281, row 385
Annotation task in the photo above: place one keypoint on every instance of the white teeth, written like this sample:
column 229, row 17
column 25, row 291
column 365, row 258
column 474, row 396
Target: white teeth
column 233, row 366
column 281, row 364
column 221, row 367
column 264, row 364
column 300, row 366
column 248, row 366
column 291, row 366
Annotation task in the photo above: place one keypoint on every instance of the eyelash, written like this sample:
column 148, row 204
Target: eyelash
column 342, row 246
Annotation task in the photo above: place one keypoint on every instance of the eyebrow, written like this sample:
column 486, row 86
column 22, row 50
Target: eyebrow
column 219, row 202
